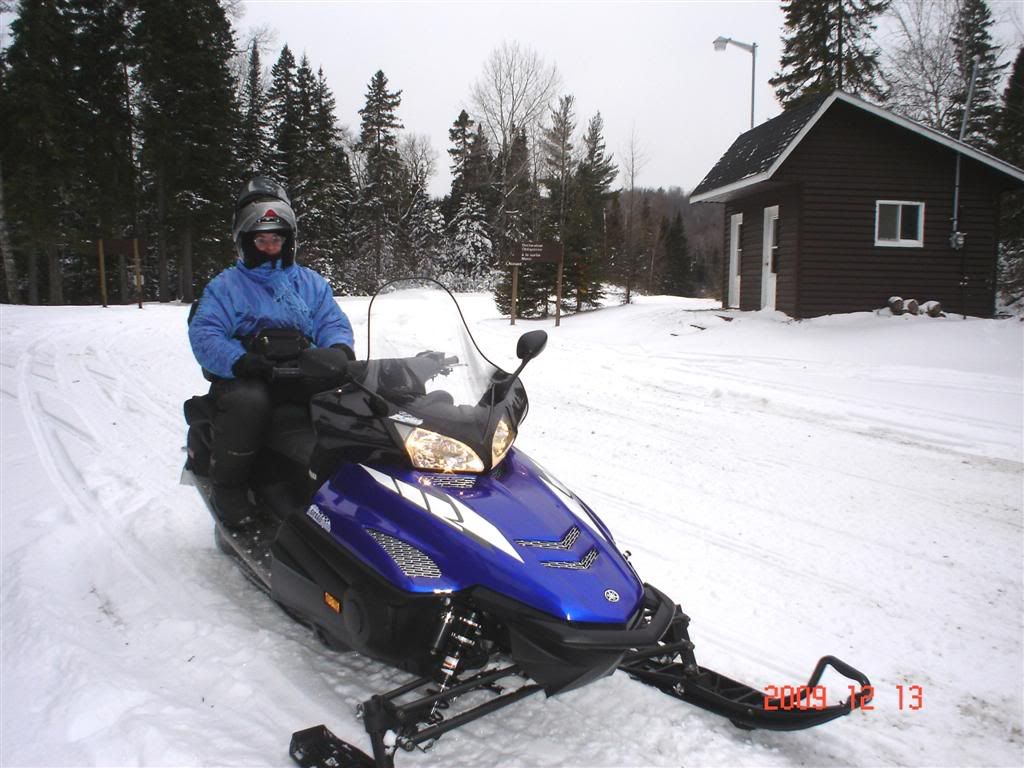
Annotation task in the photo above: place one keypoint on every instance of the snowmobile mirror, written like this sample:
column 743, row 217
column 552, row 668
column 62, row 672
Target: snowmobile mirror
column 531, row 344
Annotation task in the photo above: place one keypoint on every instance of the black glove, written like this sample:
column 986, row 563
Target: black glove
column 346, row 349
column 252, row 365
column 325, row 364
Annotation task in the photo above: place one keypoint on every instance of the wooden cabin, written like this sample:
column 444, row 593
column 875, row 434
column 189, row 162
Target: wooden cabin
column 837, row 205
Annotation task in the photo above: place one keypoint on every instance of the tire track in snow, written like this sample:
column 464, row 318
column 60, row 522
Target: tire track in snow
column 50, row 433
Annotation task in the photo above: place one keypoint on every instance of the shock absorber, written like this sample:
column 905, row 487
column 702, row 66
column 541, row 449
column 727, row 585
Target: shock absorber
column 463, row 631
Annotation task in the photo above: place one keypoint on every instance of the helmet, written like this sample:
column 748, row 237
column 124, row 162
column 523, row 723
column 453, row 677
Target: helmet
column 263, row 206
column 261, row 188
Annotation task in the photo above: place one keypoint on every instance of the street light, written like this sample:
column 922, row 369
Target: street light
column 720, row 45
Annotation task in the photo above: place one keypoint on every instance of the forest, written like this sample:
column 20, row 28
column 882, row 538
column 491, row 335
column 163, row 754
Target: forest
column 126, row 127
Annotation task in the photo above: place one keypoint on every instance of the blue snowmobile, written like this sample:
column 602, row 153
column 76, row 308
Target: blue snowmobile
column 402, row 523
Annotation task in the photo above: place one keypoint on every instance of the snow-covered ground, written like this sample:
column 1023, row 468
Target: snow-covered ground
column 847, row 485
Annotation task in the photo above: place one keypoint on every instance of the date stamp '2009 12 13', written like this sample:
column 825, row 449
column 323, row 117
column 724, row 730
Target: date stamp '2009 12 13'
column 786, row 697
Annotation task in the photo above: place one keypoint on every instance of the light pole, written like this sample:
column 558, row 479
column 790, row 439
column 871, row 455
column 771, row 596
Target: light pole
column 720, row 45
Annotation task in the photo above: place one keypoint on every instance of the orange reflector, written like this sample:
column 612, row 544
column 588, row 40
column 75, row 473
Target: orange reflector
column 332, row 602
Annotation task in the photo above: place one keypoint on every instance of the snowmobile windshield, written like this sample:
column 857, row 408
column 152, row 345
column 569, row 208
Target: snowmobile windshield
column 424, row 363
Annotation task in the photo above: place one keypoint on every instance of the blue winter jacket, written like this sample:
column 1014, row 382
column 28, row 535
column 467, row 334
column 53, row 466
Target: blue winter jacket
column 241, row 301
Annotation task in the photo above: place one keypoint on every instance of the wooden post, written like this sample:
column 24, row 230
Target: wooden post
column 515, row 291
column 558, row 291
column 103, row 272
column 138, row 270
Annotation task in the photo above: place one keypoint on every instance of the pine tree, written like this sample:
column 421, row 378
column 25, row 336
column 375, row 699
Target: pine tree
column 1010, row 147
column 38, row 111
column 378, row 144
column 255, row 131
column 588, row 268
column 677, row 277
column 827, row 45
column 557, row 162
column 971, row 38
column 104, row 190
column 461, row 137
column 189, row 121
column 283, row 111
column 511, row 226
column 614, row 239
column 467, row 264
column 325, row 182
column 479, row 174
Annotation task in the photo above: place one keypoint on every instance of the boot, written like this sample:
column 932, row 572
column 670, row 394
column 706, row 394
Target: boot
column 232, row 505
column 229, row 476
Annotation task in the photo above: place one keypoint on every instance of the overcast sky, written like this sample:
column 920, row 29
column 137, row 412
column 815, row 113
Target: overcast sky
column 646, row 66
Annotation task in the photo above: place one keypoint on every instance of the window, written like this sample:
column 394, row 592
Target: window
column 899, row 223
column 775, row 245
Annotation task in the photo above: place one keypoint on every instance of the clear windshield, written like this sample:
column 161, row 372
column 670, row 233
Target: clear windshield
column 408, row 318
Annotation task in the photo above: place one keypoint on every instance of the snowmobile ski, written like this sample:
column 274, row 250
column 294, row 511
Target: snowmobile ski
column 317, row 746
column 672, row 667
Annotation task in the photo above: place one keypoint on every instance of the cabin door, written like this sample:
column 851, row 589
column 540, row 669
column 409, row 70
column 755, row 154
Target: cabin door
column 769, row 256
column 735, row 258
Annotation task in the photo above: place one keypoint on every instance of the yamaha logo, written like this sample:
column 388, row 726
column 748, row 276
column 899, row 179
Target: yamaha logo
column 611, row 596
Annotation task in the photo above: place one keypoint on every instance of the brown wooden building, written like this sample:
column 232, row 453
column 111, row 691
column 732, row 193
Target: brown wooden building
column 836, row 205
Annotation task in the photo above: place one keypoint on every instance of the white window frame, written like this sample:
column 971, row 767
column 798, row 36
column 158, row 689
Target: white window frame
column 898, row 242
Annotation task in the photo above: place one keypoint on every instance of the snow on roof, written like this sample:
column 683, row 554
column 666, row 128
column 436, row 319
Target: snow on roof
column 756, row 155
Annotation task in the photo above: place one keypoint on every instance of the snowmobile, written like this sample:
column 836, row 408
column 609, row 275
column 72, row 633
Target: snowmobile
column 402, row 523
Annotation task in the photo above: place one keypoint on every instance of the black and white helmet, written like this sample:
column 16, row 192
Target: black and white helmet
column 263, row 206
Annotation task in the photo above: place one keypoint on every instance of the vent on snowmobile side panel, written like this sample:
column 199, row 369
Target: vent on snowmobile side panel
column 450, row 481
column 566, row 543
column 581, row 565
column 409, row 560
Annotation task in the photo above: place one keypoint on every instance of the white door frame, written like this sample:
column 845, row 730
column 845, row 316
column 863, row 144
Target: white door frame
column 771, row 221
column 735, row 223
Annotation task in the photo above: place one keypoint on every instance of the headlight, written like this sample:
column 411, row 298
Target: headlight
column 503, row 439
column 430, row 450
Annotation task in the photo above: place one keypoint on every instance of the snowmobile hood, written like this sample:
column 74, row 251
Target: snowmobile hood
column 516, row 531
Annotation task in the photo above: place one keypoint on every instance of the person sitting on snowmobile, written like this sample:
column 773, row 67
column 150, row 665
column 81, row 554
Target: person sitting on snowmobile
column 266, row 297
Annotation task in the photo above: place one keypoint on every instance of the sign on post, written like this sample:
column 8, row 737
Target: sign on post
column 120, row 246
column 532, row 253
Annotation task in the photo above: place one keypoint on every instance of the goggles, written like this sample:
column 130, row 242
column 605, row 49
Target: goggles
column 268, row 239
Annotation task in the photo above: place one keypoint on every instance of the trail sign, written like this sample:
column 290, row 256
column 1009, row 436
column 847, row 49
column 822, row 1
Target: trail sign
column 531, row 253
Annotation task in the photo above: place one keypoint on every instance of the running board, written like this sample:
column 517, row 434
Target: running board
column 672, row 668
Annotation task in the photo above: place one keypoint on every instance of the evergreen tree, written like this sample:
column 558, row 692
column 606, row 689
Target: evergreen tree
column 614, row 239
column 467, row 263
column 255, row 130
column 588, row 268
column 556, row 149
column 479, row 174
column 512, row 226
column 38, row 112
column 827, row 45
column 325, row 183
column 103, row 193
column 971, row 38
column 283, row 110
column 676, row 278
column 189, row 120
column 461, row 137
column 378, row 144
column 647, row 242
column 1010, row 147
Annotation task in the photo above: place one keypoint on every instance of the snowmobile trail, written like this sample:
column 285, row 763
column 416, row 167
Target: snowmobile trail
column 793, row 489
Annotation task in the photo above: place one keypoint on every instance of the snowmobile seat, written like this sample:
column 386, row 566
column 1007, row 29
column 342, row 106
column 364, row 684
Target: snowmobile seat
column 291, row 433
